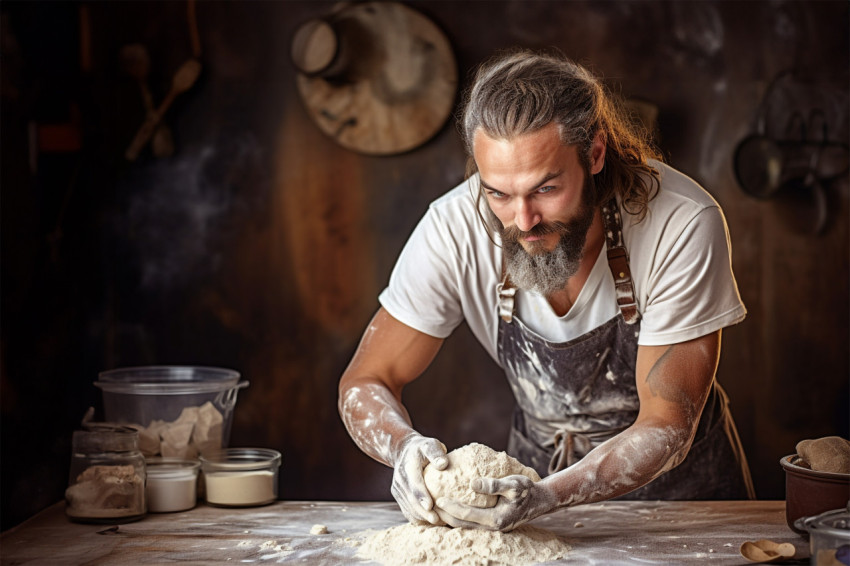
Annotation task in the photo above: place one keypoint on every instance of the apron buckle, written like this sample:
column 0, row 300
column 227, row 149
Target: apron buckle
column 506, row 300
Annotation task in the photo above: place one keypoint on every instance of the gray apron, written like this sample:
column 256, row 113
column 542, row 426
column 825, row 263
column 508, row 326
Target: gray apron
column 572, row 396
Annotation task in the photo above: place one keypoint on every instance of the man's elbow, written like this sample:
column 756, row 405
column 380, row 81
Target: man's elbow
column 680, row 440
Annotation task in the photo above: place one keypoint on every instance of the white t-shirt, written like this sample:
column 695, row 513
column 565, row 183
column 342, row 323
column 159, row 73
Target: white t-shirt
column 680, row 258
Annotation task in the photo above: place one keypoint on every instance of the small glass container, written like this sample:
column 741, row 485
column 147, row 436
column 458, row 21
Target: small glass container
column 829, row 536
column 172, row 484
column 241, row 477
column 106, row 482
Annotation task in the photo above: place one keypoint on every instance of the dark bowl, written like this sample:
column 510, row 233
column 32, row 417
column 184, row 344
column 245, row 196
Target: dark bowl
column 809, row 493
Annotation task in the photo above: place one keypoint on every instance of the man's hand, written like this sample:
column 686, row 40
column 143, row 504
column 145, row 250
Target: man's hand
column 520, row 500
column 408, row 486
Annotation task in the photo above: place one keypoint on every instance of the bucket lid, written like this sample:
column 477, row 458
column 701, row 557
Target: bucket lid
column 158, row 380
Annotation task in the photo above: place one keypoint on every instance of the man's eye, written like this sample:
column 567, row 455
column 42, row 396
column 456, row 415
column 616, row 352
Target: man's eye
column 543, row 190
column 495, row 194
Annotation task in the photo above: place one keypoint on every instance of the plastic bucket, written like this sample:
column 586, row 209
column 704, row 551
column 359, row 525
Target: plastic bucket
column 145, row 397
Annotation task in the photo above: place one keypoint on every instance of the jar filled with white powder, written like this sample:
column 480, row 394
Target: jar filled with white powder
column 241, row 477
column 172, row 484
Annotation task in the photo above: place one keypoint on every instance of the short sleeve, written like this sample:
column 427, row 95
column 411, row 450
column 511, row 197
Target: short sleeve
column 692, row 290
column 422, row 292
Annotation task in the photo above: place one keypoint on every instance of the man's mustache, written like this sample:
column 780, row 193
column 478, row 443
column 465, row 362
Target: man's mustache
column 513, row 234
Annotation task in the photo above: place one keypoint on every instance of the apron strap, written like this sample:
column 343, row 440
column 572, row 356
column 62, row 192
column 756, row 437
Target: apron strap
column 618, row 261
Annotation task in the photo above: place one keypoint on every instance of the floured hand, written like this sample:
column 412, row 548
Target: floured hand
column 408, row 486
column 520, row 500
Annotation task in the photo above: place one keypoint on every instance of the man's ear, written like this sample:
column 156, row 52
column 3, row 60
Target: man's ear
column 597, row 152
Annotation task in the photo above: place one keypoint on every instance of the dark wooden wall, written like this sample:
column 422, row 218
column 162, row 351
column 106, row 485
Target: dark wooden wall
column 261, row 245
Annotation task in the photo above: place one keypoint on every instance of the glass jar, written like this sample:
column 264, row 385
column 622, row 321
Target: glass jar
column 829, row 536
column 172, row 484
column 241, row 477
column 106, row 482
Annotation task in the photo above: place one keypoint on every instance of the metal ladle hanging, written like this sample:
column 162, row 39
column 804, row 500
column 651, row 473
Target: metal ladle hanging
column 758, row 158
column 802, row 197
column 758, row 164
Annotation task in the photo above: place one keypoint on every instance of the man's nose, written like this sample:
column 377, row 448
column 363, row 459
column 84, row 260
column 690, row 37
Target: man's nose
column 525, row 216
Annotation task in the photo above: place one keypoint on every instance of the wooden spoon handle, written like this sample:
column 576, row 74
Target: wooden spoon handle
column 146, row 131
column 184, row 78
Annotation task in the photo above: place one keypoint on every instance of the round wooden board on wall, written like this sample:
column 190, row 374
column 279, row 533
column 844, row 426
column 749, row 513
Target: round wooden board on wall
column 397, row 83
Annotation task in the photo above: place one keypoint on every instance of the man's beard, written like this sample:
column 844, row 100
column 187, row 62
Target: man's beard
column 537, row 269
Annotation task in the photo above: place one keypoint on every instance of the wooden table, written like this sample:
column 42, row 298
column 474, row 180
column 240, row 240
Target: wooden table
column 603, row 533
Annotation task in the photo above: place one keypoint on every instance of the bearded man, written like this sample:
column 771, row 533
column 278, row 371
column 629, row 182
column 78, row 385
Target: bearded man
column 598, row 278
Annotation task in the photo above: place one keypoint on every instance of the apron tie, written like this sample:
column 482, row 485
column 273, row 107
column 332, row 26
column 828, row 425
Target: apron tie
column 570, row 447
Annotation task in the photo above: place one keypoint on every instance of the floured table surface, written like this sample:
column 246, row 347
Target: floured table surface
column 658, row 532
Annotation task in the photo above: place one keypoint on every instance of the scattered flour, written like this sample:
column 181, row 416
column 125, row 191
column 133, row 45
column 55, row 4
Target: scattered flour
column 272, row 550
column 267, row 550
column 437, row 545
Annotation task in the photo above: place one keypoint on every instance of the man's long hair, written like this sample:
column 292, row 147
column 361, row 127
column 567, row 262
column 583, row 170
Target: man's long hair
column 522, row 91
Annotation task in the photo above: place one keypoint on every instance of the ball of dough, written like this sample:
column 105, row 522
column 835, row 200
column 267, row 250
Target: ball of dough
column 468, row 463
column 828, row 454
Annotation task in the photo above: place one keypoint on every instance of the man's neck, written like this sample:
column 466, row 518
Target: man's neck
column 562, row 301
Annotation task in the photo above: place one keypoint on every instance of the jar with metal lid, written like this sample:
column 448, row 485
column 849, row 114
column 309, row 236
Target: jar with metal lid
column 107, row 477
column 829, row 536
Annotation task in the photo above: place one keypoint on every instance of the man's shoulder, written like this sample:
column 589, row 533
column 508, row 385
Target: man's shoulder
column 460, row 198
column 454, row 221
column 459, row 212
column 679, row 201
column 679, row 190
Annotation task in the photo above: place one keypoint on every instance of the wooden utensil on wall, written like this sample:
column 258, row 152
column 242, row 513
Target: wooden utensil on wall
column 183, row 80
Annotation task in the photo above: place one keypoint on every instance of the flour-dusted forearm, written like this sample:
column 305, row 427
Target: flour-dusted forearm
column 375, row 420
column 624, row 463
column 380, row 426
column 390, row 356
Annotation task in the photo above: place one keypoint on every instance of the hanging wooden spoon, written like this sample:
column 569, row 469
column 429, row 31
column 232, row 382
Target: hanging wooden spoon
column 183, row 80
column 137, row 63
column 767, row 551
